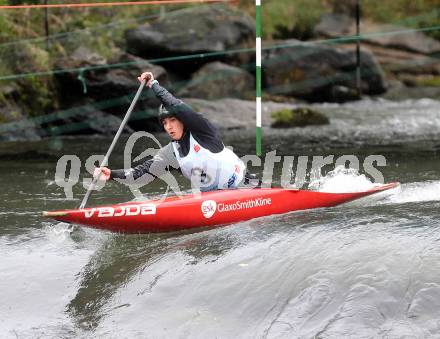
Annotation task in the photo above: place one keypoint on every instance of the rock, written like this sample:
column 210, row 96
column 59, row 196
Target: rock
column 314, row 72
column 15, row 126
column 411, row 41
column 85, row 57
column 402, row 93
column 111, row 89
column 117, row 82
column 298, row 117
column 411, row 80
column 344, row 94
column 398, row 62
column 88, row 122
column 218, row 80
column 200, row 29
column 226, row 113
column 408, row 80
column 118, row 87
column 231, row 114
column 10, row 92
column 71, row 87
column 337, row 25
column 102, row 82
column 416, row 65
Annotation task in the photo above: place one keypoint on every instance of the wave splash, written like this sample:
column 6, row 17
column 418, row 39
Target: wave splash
column 341, row 180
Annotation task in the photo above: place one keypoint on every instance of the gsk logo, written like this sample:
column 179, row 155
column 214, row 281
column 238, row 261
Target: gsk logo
column 208, row 208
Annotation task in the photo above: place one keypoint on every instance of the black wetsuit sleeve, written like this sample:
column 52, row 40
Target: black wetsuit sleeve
column 118, row 174
column 137, row 171
column 200, row 127
column 162, row 162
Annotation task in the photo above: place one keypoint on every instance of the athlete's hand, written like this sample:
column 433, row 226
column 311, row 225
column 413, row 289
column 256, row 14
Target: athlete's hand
column 103, row 173
column 148, row 76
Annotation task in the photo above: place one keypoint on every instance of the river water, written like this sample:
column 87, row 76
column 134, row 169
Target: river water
column 367, row 269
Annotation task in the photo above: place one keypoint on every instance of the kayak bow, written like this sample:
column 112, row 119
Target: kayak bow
column 213, row 208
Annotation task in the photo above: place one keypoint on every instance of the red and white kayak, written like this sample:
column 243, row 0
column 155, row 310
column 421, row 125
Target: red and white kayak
column 207, row 209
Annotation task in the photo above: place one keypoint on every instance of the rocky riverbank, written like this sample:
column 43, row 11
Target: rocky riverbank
column 205, row 55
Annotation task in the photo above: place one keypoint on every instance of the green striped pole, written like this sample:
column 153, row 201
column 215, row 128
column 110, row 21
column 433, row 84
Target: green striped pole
column 258, row 75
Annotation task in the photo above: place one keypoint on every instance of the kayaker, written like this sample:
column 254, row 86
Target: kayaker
column 196, row 148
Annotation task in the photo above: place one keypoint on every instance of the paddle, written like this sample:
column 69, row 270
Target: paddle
column 115, row 140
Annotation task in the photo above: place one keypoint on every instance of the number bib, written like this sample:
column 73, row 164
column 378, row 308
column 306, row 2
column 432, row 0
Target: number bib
column 208, row 170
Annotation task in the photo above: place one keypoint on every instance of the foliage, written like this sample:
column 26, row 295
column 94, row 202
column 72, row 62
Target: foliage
column 429, row 82
column 283, row 19
column 283, row 116
column 5, row 25
column 36, row 94
column 298, row 117
column 409, row 13
column 293, row 19
column 22, row 2
column 35, row 91
column 297, row 18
